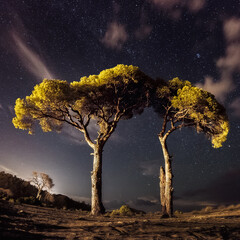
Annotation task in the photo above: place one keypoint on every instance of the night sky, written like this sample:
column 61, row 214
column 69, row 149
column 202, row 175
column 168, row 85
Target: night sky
column 195, row 40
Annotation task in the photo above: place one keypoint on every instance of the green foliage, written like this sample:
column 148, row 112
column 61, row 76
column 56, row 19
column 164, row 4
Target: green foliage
column 178, row 212
column 119, row 90
column 114, row 94
column 114, row 213
column 124, row 210
column 192, row 106
column 11, row 200
column 119, row 74
column 45, row 104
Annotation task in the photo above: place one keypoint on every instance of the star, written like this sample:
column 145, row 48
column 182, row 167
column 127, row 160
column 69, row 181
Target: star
column 198, row 55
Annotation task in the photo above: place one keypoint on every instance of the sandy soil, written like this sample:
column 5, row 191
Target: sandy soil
column 31, row 222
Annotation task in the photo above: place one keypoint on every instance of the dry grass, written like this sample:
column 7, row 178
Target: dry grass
column 32, row 222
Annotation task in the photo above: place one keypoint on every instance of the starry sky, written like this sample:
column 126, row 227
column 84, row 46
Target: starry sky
column 195, row 40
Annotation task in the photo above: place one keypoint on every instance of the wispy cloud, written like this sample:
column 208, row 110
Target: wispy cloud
column 72, row 135
column 7, row 109
column 23, row 45
column 115, row 36
column 228, row 64
column 191, row 203
column 235, row 106
column 75, row 136
column 11, row 109
column 143, row 31
column 232, row 29
column 81, row 199
column 150, row 168
column 219, row 88
column 146, row 201
column 8, row 170
column 195, row 5
column 176, row 7
column 30, row 59
column 144, row 28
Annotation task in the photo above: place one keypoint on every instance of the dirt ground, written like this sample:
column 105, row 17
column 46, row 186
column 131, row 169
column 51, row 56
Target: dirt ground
column 32, row 222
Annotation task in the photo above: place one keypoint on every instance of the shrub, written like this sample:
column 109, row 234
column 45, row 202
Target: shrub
column 11, row 200
column 178, row 212
column 124, row 210
column 114, row 212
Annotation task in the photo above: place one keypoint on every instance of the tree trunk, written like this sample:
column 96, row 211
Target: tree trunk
column 96, row 177
column 39, row 194
column 162, row 190
column 168, row 178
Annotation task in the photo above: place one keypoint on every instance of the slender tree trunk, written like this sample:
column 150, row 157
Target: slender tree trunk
column 162, row 190
column 168, row 178
column 96, row 177
column 39, row 194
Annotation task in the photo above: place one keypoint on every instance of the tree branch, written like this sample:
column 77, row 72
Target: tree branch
column 177, row 127
column 165, row 120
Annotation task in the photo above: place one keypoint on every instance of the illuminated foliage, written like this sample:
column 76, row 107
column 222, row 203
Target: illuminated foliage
column 186, row 105
column 113, row 94
column 46, row 104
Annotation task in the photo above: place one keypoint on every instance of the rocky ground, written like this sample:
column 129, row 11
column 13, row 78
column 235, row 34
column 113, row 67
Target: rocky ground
column 32, row 222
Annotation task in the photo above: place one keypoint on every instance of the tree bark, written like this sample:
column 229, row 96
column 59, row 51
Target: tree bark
column 162, row 190
column 168, row 178
column 39, row 194
column 96, row 177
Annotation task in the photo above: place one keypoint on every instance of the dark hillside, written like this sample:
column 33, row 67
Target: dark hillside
column 17, row 187
column 18, row 190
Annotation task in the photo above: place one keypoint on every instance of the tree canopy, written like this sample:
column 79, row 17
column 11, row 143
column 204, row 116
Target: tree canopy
column 115, row 93
column 182, row 104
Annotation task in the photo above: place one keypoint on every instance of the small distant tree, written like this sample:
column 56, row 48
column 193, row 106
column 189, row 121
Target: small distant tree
column 41, row 181
column 104, row 99
column 182, row 105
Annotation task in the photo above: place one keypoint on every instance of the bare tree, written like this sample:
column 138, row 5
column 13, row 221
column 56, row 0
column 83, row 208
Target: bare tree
column 41, row 181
